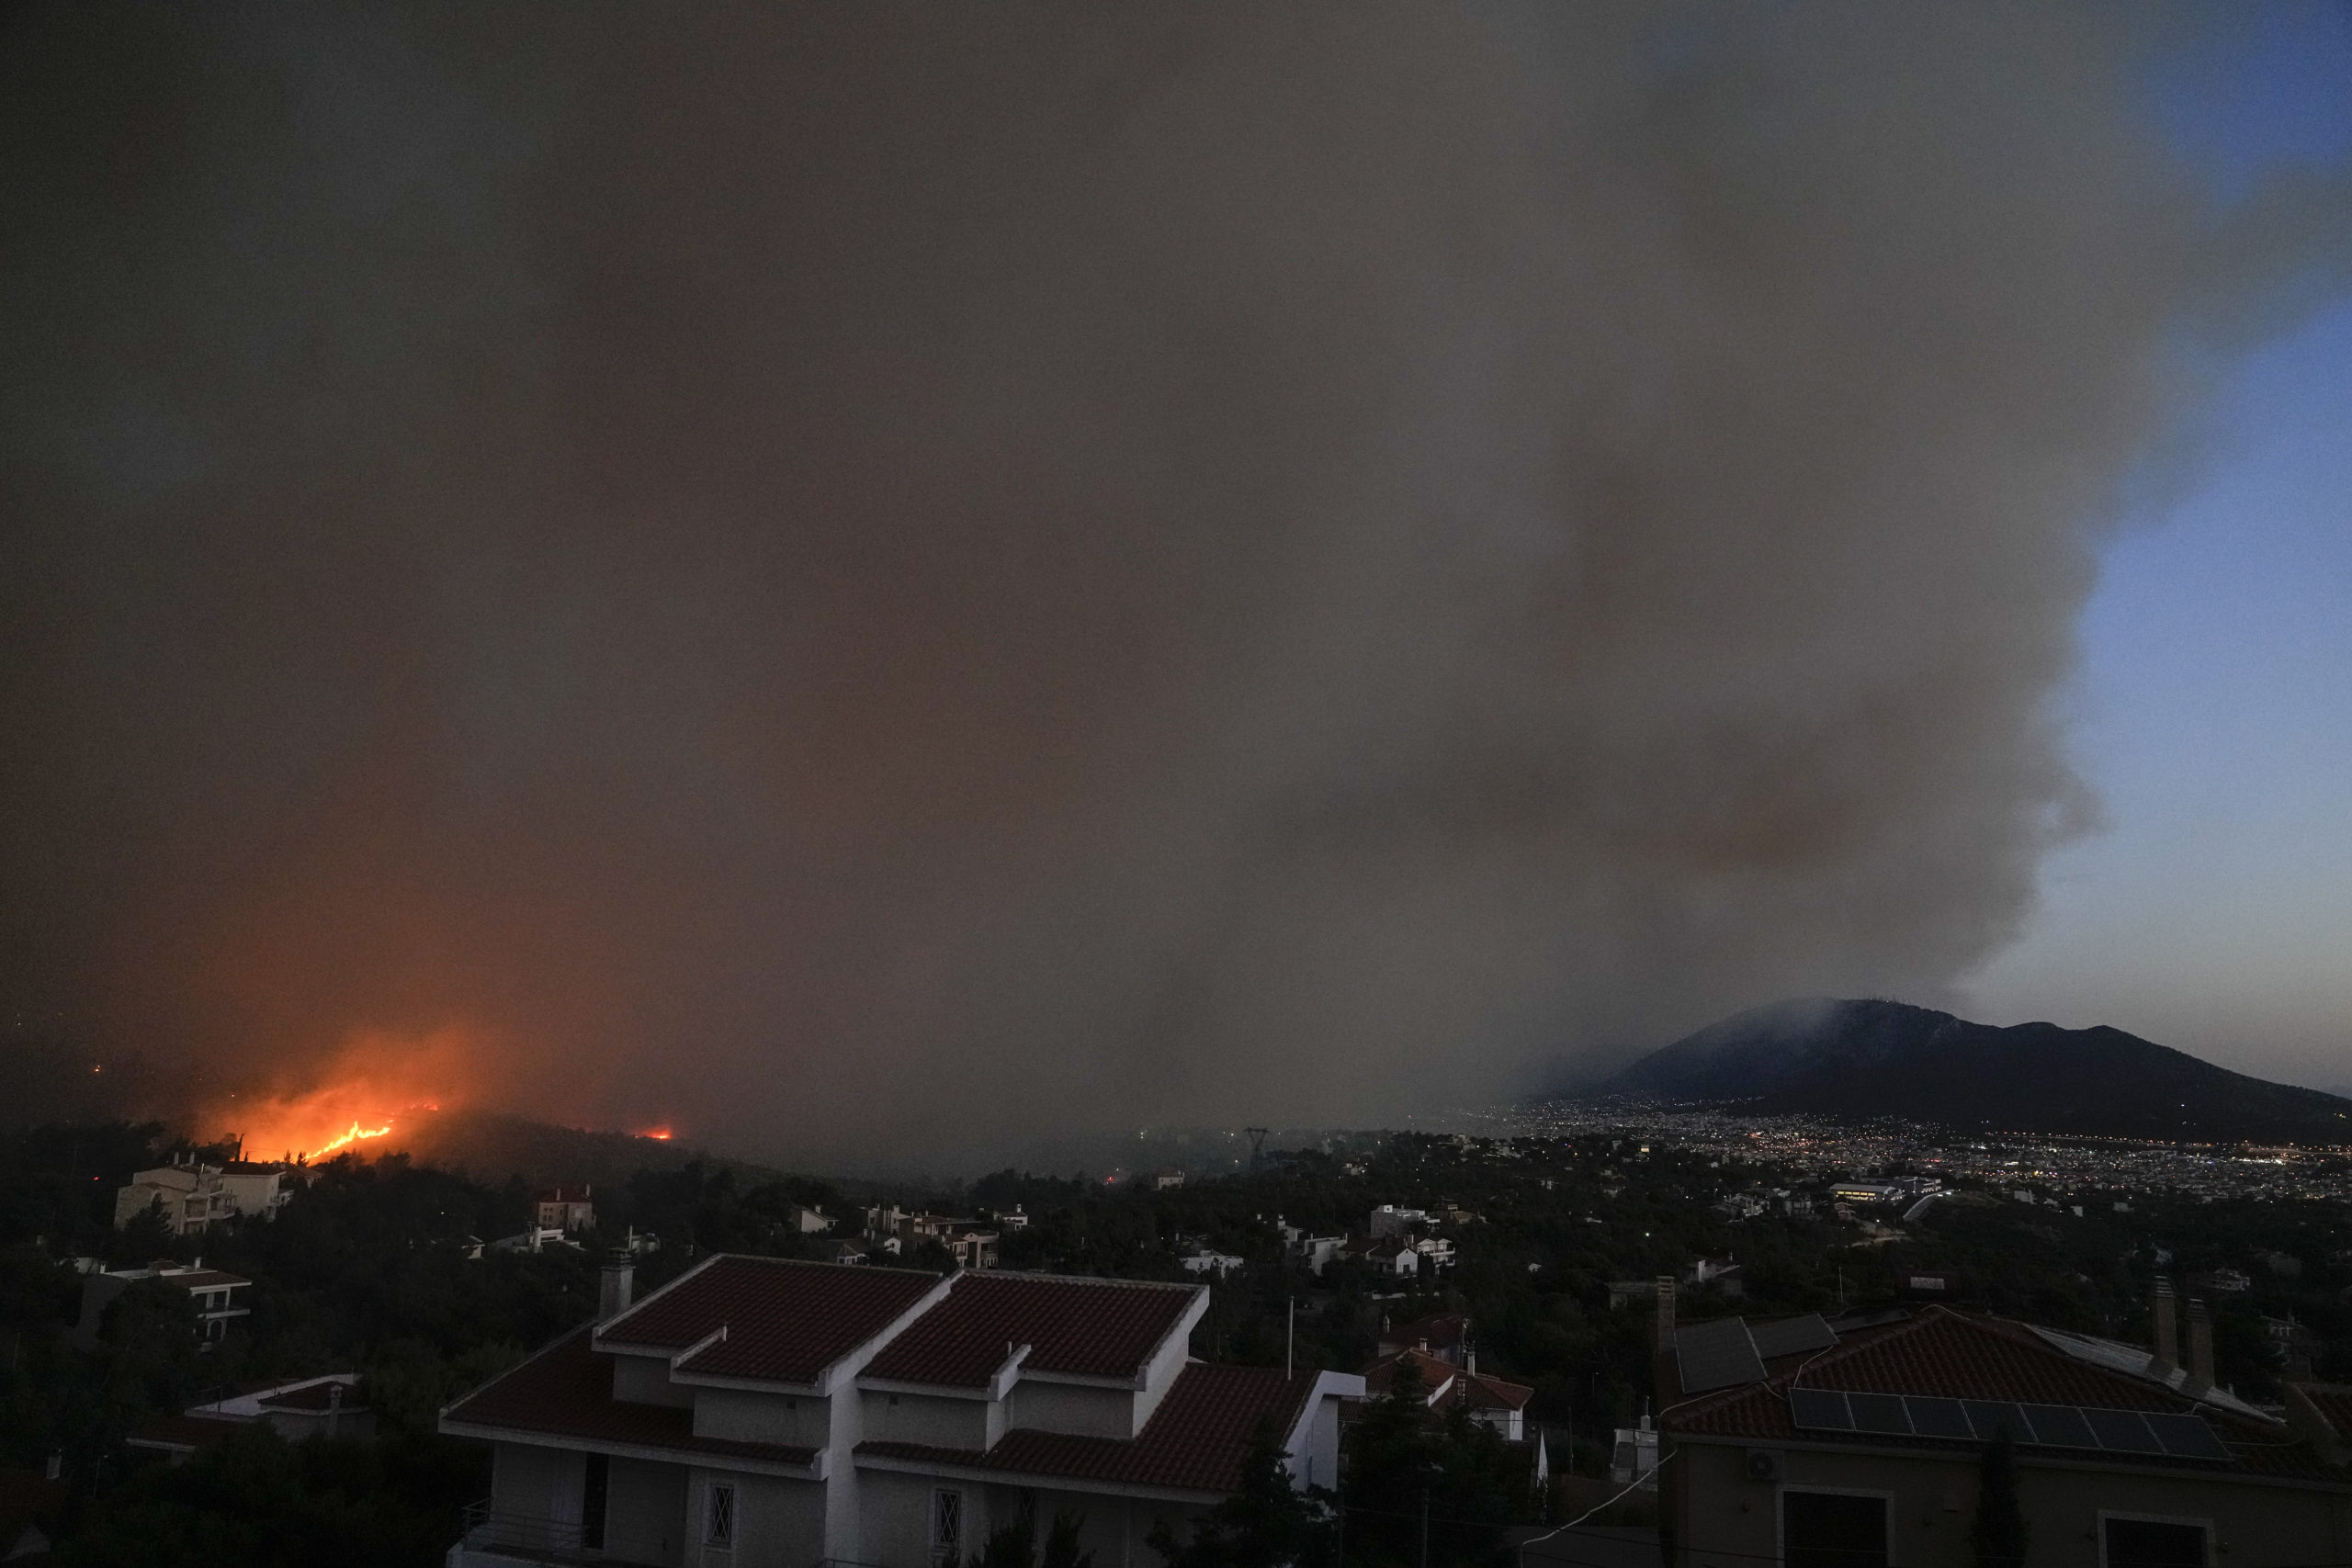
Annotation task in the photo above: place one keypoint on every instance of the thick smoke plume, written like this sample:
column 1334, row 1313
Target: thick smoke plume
column 836, row 572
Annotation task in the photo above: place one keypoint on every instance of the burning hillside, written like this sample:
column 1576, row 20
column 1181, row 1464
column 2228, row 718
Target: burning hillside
column 372, row 1094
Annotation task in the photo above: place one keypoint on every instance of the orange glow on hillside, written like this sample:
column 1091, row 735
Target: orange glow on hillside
column 660, row 1135
column 373, row 1086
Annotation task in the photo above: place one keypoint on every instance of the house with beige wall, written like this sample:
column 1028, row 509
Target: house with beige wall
column 1862, row 1444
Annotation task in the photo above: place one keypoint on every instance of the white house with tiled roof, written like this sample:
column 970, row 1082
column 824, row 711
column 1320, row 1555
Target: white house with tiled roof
column 758, row 1411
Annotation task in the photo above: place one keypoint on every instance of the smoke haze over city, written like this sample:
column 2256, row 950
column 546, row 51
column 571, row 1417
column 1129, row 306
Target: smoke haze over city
column 898, row 576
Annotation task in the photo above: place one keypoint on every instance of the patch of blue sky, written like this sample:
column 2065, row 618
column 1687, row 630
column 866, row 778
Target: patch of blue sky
column 2212, row 712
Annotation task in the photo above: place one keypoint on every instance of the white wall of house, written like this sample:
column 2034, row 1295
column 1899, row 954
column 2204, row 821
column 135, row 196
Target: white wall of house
column 744, row 1416
column 529, row 1484
column 778, row 1523
column 645, row 1513
column 1315, row 1450
column 1161, row 1375
column 1086, row 1409
column 925, row 1419
column 645, row 1380
column 1115, row 1528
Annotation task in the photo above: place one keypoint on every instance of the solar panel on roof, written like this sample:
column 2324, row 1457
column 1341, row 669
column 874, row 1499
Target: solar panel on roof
column 2044, row 1426
column 1820, row 1408
column 1879, row 1413
column 2060, row 1426
column 1991, row 1417
column 1792, row 1336
column 1716, row 1355
column 2123, row 1431
column 2187, row 1436
column 1938, row 1418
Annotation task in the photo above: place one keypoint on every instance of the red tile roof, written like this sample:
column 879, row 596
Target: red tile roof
column 2334, row 1403
column 567, row 1390
column 1961, row 1355
column 1477, row 1390
column 1435, row 1375
column 1104, row 1329
column 1196, row 1442
column 787, row 1321
column 1482, row 1392
column 1441, row 1330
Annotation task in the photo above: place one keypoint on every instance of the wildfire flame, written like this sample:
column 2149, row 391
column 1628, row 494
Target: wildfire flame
column 373, row 1084
column 660, row 1135
column 352, row 1136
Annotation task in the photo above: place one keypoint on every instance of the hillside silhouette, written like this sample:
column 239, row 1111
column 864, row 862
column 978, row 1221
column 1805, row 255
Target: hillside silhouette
column 1870, row 1059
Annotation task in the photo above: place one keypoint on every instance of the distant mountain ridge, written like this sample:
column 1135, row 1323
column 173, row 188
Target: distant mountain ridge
column 1868, row 1059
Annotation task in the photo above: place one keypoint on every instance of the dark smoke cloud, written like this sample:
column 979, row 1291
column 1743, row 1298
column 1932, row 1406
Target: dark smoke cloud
column 850, row 572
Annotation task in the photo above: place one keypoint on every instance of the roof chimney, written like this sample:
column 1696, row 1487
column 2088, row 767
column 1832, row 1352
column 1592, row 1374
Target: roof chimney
column 2167, row 1351
column 2200, row 1351
column 615, row 1284
column 1665, row 1313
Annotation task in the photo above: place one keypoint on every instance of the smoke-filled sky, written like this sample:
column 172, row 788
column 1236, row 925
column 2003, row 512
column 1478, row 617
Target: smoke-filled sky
column 849, row 576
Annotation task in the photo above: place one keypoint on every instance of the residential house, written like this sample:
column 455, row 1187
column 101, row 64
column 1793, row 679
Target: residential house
column 1393, row 1256
column 534, row 1237
column 2291, row 1344
column 1437, row 1251
column 761, row 1412
column 1721, row 1274
column 564, row 1210
column 220, row 1297
column 974, row 1249
column 326, row 1406
column 1167, row 1180
column 806, row 1221
column 1390, row 1220
column 1207, row 1261
column 1489, row 1401
column 1445, row 1335
column 969, row 1241
column 840, row 1252
column 1862, row 1442
column 1317, row 1252
column 192, row 1195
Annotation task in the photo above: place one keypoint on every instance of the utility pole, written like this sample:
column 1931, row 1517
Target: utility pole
column 1290, row 1341
column 1424, row 1525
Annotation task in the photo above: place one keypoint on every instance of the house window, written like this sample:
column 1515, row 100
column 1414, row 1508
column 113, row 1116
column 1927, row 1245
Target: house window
column 2126, row 1542
column 594, row 1490
column 947, row 1526
column 1832, row 1530
column 718, row 1516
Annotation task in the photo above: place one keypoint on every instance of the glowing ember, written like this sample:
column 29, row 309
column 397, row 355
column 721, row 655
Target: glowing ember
column 660, row 1134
